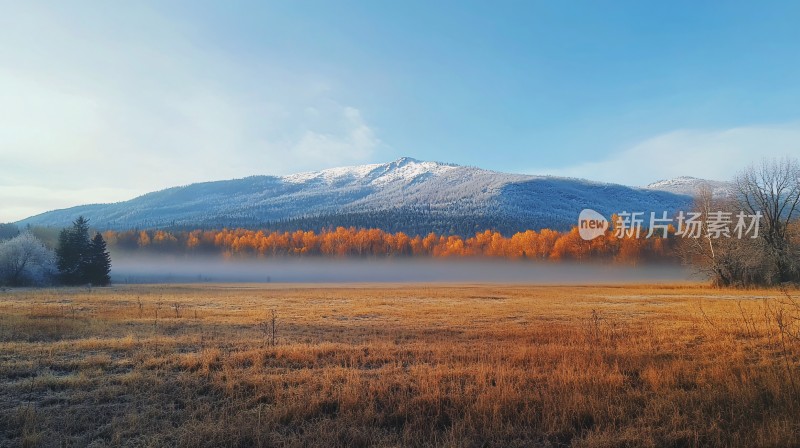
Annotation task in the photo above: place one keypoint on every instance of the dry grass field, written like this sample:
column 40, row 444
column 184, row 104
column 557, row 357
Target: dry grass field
column 399, row 365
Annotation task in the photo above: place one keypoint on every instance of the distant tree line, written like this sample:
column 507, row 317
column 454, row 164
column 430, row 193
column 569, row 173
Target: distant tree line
column 545, row 244
column 412, row 220
column 77, row 260
column 409, row 220
column 8, row 231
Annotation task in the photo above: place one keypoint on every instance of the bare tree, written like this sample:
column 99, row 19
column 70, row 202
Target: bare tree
column 726, row 261
column 772, row 188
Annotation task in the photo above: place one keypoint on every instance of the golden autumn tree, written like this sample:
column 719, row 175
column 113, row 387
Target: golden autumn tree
column 144, row 239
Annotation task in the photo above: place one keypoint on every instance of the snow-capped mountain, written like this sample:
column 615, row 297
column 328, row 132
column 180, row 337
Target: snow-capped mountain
column 687, row 185
column 405, row 195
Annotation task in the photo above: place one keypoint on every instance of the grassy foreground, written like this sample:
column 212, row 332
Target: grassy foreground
column 394, row 365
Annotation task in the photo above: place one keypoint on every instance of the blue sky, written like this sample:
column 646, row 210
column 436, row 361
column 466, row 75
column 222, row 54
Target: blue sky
column 149, row 95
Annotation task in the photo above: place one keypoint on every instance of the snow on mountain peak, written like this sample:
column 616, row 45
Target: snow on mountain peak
column 331, row 174
column 688, row 185
column 403, row 169
column 406, row 169
column 405, row 160
column 680, row 180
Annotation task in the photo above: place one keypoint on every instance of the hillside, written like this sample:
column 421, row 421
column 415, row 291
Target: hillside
column 689, row 186
column 404, row 195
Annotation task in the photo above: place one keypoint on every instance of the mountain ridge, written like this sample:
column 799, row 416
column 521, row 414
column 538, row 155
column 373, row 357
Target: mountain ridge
column 403, row 195
column 688, row 185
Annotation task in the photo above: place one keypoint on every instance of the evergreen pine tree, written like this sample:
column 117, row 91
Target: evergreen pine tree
column 99, row 266
column 73, row 252
column 67, row 259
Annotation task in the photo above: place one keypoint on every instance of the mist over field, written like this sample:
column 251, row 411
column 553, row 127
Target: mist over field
column 167, row 269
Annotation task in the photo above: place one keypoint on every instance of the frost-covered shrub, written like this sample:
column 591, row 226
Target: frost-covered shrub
column 25, row 261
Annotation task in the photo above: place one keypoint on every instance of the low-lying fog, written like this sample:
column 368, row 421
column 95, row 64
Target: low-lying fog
column 167, row 269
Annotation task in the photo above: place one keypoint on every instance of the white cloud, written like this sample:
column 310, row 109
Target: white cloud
column 709, row 154
column 357, row 144
column 105, row 109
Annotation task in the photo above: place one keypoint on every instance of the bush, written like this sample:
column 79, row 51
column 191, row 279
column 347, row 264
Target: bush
column 25, row 261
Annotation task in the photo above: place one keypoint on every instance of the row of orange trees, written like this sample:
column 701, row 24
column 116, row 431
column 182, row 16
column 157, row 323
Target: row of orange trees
column 542, row 245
